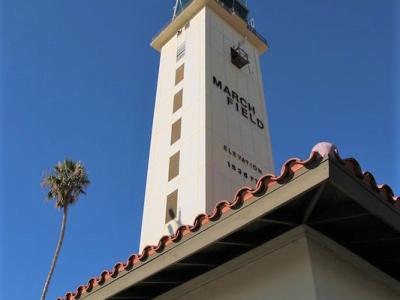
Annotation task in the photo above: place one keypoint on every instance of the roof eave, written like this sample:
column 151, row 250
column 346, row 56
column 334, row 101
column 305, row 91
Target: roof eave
column 331, row 195
column 303, row 180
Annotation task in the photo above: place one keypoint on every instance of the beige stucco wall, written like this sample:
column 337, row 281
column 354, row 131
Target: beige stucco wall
column 344, row 277
column 283, row 274
column 190, row 182
column 301, row 264
column 220, row 148
column 226, row 125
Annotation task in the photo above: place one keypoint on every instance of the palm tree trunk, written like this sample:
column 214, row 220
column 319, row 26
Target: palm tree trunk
column 56, row 254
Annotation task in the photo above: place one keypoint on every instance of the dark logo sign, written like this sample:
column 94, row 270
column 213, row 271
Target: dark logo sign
column 239, row 104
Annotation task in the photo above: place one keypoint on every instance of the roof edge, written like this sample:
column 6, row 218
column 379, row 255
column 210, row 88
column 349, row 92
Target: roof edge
column 320, row 153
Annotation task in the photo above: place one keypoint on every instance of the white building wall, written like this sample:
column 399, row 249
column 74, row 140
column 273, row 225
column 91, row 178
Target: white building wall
column 220, row 149
column 157, row 183
column 226, row 126
column 280, row 274
column 343, row 277
column 301, row 264
column 192, row 173
column 190, row 182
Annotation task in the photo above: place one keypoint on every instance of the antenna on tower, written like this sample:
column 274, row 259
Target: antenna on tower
column 252, row 23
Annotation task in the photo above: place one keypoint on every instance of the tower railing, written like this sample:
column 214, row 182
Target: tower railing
column 180, row 6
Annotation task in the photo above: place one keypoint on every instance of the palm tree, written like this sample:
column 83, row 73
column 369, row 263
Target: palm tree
column 65, row 183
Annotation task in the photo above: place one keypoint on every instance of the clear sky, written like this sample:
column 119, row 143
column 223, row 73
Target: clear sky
column 78, row 80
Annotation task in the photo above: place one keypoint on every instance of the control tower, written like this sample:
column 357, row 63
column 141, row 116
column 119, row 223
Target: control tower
column 210, row 132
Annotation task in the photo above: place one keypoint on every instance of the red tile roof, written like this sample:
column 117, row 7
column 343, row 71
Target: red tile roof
column 244, row 194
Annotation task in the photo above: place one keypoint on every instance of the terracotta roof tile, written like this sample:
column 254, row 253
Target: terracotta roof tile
column 244, row 194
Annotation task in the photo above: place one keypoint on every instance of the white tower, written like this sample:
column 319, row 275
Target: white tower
column 210, row 131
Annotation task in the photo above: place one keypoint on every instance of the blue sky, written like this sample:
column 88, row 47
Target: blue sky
column 78, row 80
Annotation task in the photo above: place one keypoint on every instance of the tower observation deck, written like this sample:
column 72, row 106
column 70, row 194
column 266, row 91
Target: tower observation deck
column 235, row 6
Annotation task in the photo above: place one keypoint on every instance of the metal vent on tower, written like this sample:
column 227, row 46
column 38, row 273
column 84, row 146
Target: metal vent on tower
column 239, row 57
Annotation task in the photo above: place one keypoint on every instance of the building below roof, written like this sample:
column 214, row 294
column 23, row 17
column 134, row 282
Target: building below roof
column 322, row 229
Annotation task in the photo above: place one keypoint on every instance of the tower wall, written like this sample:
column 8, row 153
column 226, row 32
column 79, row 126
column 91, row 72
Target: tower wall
column 223, row 141
column 190, row 182
column 300, row 264
column 238, row 142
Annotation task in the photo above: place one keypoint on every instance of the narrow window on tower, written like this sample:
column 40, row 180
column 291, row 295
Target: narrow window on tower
column 176, row 131
column 177, row 101
column 173, row 166
column 172, row 206
column 180, row 72
column 180, row 52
